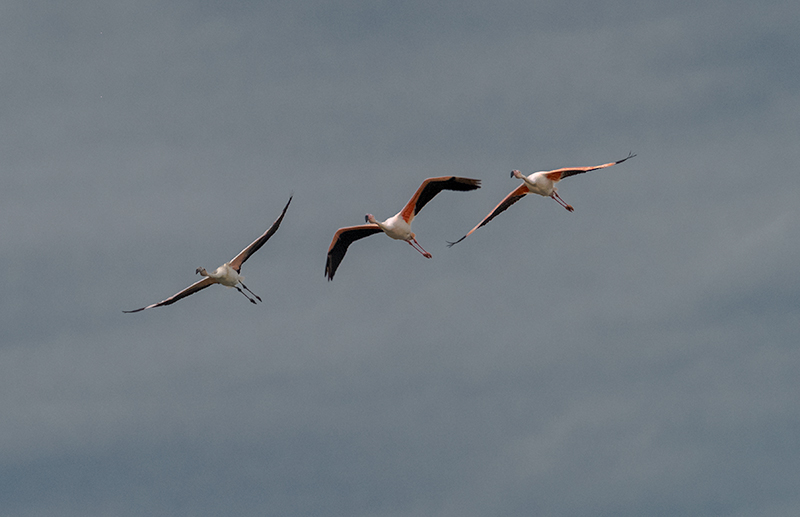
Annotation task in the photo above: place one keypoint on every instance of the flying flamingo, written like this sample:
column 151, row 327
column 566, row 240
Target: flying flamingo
column 228, row 273
column 542, row 183
column 397, row 227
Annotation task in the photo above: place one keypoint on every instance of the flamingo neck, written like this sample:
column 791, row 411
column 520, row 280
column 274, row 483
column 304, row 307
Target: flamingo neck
column 371, row 219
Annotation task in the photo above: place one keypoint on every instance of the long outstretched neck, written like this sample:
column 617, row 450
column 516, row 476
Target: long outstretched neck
column 524, row 178
column 371, row 219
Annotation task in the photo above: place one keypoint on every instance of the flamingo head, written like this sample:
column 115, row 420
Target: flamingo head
column 515, row 174
column 369, row 218
column 201, row 271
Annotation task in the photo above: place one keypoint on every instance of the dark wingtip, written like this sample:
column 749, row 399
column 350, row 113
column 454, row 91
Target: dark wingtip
column 451, row 244
column 470, row 183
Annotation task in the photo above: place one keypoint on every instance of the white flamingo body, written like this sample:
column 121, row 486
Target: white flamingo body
column 228, row 274
column 539, row 183
column 395, row 227
column 398, row 226
column 542, row 183
column 224, row 275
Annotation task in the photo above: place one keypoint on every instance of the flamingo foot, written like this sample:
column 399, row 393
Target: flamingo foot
column 419, row 248
column 251, row 292
column 569, row 208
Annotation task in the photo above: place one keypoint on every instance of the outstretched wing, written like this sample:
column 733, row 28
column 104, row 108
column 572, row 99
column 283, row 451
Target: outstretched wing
column 560, row 174
column 341, row 240
column 238, row 260
column 200, row 284
column 432, row 186
column 507, row 201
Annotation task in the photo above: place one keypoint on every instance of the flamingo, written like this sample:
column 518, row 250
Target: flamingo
column 228, row 273
column 398, row 226
column 542, row 183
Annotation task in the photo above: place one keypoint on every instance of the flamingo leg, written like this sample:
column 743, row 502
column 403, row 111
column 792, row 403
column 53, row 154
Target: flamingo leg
column 251, row 292
column 561, row 202
column 245, row 294
column 419, row 248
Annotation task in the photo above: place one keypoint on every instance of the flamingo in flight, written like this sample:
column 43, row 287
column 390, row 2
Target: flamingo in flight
column 398, row 226
column 228, row 273
column 542, row 183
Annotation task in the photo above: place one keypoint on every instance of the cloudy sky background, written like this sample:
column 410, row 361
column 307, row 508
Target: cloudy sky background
column 636, row 357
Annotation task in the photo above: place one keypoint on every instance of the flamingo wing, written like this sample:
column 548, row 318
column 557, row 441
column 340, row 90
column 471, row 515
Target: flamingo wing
column 560, row 174
column 507, row 201
column 197, row 286
column 432, row 186
column 341, row 240
column 238, row 260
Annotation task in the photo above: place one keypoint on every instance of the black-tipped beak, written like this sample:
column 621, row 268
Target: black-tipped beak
column 512, row 174
column 366, row 218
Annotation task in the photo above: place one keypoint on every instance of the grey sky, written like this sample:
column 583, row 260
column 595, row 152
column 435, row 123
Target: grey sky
column 636, row 357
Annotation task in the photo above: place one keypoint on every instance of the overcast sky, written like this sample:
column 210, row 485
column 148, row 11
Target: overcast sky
column 636, row 357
